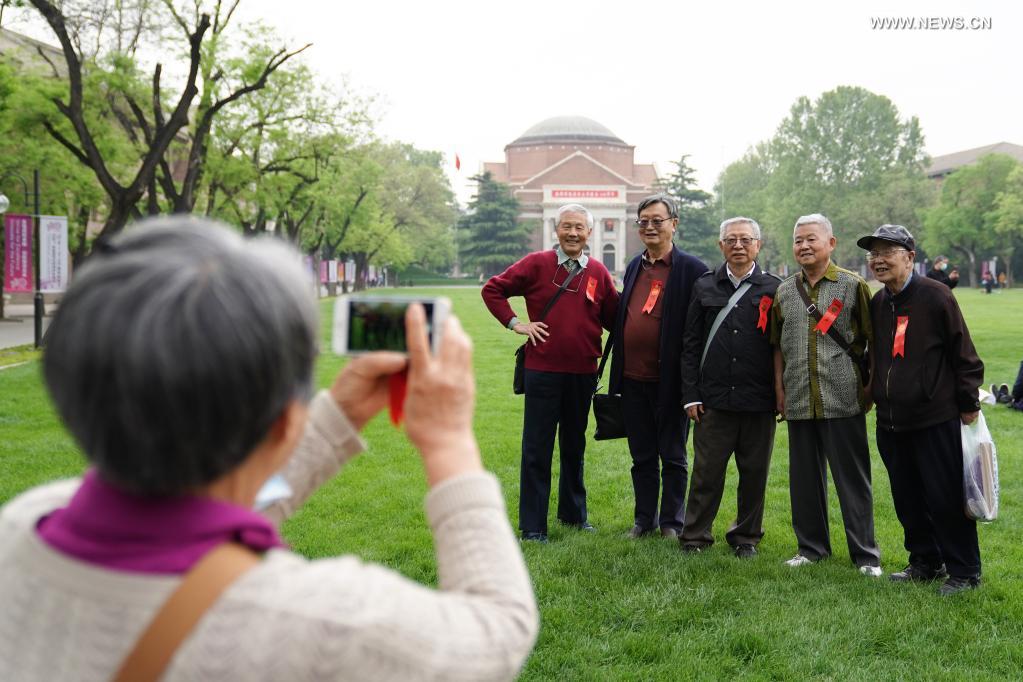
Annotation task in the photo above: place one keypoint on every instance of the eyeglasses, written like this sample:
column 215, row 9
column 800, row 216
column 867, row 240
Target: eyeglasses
column 656, row 222
column 886, row 253
column 732, row 241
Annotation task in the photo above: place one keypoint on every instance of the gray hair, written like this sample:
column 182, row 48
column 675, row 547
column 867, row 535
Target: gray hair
column 736, row 220
column 661, row 198
column 814, row 218
column 575, row 208
column 176, row 348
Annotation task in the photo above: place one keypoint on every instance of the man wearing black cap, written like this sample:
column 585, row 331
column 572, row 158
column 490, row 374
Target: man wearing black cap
column 938, row 274
column 926, row 380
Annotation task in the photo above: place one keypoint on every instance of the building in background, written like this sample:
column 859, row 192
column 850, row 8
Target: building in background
column 573, row 159
column 943, row 165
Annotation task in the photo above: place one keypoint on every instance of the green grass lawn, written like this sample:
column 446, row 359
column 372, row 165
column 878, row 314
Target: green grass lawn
column 640, row 610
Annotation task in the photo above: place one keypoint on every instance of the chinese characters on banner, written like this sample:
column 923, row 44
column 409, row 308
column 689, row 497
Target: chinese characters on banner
column 18, row 272
column 53, row 253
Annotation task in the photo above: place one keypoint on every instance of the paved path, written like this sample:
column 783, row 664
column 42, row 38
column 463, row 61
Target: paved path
column 17, row 328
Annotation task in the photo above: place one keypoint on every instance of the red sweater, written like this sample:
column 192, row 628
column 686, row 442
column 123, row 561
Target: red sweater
column 575, row 321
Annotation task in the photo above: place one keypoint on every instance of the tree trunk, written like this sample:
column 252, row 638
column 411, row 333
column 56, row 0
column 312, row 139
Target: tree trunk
column 361, row 269
column 971, row 257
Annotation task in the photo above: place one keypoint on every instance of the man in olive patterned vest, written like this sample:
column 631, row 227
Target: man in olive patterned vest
column 820, row 394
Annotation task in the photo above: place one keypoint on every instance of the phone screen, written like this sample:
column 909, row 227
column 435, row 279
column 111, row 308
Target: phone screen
column 380, row 325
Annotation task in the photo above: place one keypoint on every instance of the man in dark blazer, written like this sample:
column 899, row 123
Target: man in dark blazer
column 646, row 366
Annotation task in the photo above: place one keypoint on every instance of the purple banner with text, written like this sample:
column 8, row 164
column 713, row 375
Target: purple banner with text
column 17, row 253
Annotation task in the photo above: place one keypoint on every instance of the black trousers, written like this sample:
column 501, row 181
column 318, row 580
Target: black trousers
column 926, row 471
column 815, row 444
column 750, row 435
column 655, row 438
column 555, row 402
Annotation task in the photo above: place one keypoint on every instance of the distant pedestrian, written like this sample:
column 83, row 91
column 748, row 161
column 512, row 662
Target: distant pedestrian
column 939, row 273
column 988, row 281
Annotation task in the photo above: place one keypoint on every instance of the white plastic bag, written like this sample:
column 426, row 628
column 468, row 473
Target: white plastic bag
column 980, row 471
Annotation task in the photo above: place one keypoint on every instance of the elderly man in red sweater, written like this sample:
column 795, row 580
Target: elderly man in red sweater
column 561, row 364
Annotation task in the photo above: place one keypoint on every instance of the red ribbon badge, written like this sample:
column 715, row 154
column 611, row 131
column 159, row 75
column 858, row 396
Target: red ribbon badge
column 398, row 385
column 591, row 289
column 651, row 299
column 829, row 317
column 899, row 347
column 765, row 305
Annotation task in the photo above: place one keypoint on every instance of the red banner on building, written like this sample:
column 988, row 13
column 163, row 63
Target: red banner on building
column 18, row 273
column 584, row 193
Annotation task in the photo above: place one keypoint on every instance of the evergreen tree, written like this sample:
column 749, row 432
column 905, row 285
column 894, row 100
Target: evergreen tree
column 697, row 230
column 491, row 237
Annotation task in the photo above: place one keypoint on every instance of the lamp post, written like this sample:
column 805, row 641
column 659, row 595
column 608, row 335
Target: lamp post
column 40, row 309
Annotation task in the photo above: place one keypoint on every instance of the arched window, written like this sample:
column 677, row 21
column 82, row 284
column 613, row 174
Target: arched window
column 609, row 257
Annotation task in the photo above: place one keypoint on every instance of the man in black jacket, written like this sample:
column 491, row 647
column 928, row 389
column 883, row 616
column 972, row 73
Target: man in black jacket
column 728, row 389
column 925, row 384
column 645, row 367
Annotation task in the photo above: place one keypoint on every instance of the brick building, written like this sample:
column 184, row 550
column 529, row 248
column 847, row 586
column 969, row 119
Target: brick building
column 572, row 159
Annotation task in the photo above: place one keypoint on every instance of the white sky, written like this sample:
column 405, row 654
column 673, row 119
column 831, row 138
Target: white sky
column 669, row 77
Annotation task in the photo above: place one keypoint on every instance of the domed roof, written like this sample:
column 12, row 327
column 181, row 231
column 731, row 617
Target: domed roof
column 569, row 129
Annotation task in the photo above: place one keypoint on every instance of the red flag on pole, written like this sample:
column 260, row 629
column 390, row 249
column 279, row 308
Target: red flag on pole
column 458, row 163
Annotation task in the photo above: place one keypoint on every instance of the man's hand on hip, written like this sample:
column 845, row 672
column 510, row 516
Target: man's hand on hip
column 969, row 417
column 536, row 331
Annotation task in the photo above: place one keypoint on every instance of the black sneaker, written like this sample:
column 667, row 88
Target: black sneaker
column 919, row 573
column 745, row 551
column 956, row 584
column 1004, row 397
column 530, row 536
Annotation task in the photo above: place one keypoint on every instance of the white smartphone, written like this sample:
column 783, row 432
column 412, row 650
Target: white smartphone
column 364, row 323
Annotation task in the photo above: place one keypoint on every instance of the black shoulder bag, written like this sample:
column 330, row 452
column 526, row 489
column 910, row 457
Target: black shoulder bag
column 607, row 407
column 862, row 361
column 519, row 378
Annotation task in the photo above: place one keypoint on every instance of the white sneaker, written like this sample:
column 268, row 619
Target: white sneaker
column 871, row 571
column 798, row 560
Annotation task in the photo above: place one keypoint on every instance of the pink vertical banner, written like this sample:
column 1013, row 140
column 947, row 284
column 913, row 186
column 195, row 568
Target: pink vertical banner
column 323, row 272
column 18, row 272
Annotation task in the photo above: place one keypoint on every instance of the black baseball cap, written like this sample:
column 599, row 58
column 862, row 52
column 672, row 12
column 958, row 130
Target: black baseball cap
column 896, row 234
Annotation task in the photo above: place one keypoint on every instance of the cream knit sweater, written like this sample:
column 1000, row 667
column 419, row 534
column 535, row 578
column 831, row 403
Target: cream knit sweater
column 288, row 619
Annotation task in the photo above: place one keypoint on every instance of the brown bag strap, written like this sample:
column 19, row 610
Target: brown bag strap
column 197, row 592
column 815, row 312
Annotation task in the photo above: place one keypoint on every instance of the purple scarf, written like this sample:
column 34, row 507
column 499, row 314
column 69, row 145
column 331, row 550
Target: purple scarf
column 103, row 526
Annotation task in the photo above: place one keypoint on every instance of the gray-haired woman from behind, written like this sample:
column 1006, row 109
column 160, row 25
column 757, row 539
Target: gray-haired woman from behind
column 181, row 361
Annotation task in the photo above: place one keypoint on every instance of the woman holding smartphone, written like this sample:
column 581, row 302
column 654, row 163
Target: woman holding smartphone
column 181, row 361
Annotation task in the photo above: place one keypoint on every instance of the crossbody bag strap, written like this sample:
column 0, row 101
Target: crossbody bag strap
column 603, row 358
column 198, row 590
column 564, row 285
column 813, row 311
column 722, row 314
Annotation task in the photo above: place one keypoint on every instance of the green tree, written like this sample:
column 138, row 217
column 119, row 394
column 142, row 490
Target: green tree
column 847, row 155
column 106, row 91
column 1008, row 217
column 966, row 217
column 491, row 236
column 697, row 228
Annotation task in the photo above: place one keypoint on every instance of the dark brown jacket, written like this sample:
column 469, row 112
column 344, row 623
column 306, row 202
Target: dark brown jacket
column 939, row 373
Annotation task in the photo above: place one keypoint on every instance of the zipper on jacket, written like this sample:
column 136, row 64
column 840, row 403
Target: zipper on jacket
column 888, row 376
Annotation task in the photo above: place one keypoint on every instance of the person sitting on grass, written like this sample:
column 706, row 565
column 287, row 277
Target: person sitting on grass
column 1013, row 398
column 181, row 360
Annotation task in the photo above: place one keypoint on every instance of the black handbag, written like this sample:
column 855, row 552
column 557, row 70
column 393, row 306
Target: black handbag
column 607, row 407
column 519, row 377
